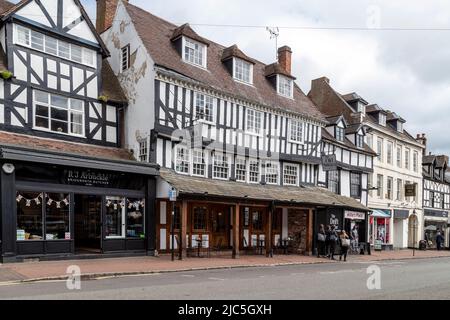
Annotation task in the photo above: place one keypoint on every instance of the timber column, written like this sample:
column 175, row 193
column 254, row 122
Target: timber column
column 184, row 219
column 236, row 233
column 310, row 231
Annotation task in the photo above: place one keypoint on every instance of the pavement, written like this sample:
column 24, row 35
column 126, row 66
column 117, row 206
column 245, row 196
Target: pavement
column 115, row 267
column 417, row 279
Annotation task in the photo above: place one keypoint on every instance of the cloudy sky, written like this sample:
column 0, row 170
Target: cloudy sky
column 403, row 71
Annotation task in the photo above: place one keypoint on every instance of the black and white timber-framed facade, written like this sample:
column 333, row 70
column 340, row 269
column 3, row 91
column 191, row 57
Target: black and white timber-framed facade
column 67, row 186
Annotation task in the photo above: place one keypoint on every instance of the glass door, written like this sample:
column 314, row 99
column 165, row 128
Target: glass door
column 115, row 217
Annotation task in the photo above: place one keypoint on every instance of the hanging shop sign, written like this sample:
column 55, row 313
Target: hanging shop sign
column 329, row 162
column 354, row 215
column 334, row 221
column 410, row 190
column 90, row 178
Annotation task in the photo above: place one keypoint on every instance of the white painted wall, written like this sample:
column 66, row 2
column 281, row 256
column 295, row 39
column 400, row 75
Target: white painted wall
column 137, row 82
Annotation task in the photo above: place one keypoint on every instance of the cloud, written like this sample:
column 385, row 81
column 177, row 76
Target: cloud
column 404, row 71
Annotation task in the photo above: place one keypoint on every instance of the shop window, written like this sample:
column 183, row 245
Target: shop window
column 29, row 216
column 57, row 219
column 355, row 185
column 257, row 223
column 200, row 218
column 135, row 218
column 115, row 220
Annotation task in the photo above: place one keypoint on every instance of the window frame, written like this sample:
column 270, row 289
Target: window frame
column 407, row 159
column 204, row 105
column 143, row 157
column 123, row 57
column 292, row 165
column 278, row 172
column 390, row 154
column 380, row 186
column 254, row 131
column 281, row 78
column 415, row 161
column 69, row 113
column 249, row 164
column 336, row 182
column 382, row 119
column 301, row 126
column 390, row 191
column 84, row 50
column 359, row 139
column 399, row 196
column 359, row 185
column 194, row 163
column 204, row 52
column 236, row 169
column 235, row 71
column 177, row 147
column 228, row 159
column 380, row 149
column 339, row 134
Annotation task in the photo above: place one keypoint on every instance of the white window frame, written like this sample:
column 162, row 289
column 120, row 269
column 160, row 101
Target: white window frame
column 249, row 163
column 297, row 176
column 84, row 51
column 143, row 157
column 228, row 159
column 175, row 157
column 267, row 173
column 69, row 111
column 236, row 62
column 201, row 117
column 185, row 42
column 382, row 119
column 359, row 141
column 289, row 94
column 400, row 126
column 253, row 130
column 238, row 159
column 399, row 157
column 301, row 125
column 193, row 162
column 380, row 149
column 407, row 159
column 390, row 160
column 415, row 166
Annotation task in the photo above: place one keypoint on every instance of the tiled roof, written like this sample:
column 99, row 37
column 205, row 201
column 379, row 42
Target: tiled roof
column 234, row 51
column 156, row 34
column 63, row 147
column 349, row 97
column 186, row 30
column 354, row 128
column 187, row 185
column 111, row 85
column 347, row 143
column 428, row 159
column 391, row 116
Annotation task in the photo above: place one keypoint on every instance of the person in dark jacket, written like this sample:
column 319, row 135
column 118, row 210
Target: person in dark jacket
column 439, row 240
column 333, row 241
column 321, row 238
column 327, row 241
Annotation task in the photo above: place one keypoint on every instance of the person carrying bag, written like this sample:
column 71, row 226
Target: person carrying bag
column 345, row 244
column 321, row 238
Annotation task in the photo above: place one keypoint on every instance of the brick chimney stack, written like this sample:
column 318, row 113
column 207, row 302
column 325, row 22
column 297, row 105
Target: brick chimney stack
column 106, row 10
column 285, row 58
column 422, row 139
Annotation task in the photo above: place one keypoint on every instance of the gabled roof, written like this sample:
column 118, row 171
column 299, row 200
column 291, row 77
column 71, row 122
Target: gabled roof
column 336, row 119
column 372, row 108
column 186, row 30
column 234, row 51
column 347, row 143
column 156, row 35
column 428, row 159
column 392, row 116
column 350, row 97
column 10, row 10
column 354, row 128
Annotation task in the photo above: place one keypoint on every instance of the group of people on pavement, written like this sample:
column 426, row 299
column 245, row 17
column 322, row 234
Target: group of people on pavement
column 328, row 238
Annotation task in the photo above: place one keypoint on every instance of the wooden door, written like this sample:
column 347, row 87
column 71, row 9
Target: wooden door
column 220, row 226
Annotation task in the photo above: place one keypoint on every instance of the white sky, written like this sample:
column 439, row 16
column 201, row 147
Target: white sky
column 404, row 71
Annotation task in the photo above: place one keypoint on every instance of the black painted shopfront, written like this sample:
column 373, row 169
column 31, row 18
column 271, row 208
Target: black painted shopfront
column 53, row 207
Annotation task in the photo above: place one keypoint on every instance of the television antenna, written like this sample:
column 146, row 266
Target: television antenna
column 274, row 34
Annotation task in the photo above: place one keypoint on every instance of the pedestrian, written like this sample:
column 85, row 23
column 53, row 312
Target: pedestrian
column 355, row 238
column 439, row 240
column 321, row 238
column 344, row 242
column 333, row 241
column 327, row 241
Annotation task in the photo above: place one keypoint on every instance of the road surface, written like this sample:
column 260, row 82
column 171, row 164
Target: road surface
column 413, row 279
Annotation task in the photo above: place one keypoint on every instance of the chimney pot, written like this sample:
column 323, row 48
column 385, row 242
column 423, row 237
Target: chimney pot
column 106, row 10
column 285, row 58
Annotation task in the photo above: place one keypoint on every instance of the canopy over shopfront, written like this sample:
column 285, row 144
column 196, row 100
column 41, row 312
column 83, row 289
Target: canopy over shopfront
column 307, row 195
column 376, row 213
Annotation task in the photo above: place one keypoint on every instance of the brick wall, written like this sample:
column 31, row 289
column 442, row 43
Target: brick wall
column 297, row 229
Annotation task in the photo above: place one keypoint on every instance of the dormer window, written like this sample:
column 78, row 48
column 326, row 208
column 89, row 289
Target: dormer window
column 242, row 70
column 340, row 134
column 285, row 86
column 359, row 141
column 194, row 52
column 399, row 126
column 382, row 119
column 360, row 107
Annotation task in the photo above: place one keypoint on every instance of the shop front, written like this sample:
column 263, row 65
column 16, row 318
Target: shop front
column 436, row 222
column 54, row 205
column 380, row 229
column 401, row 227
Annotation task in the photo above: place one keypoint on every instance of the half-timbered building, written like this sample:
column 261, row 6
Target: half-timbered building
column 436, row 197
column 63, row 186
column 237, row 139
column 396, row 218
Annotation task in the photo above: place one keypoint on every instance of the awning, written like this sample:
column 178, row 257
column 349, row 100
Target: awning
column 196, row 186
column 377, row 213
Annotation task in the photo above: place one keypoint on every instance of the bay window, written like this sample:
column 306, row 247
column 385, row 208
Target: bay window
column 58, row 114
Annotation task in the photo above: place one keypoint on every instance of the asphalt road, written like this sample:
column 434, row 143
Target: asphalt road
column 413, row 279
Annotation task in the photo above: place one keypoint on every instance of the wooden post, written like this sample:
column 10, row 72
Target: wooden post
column 269, row 232
column 184, row 220
column 236, row 233
column 309, row 239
